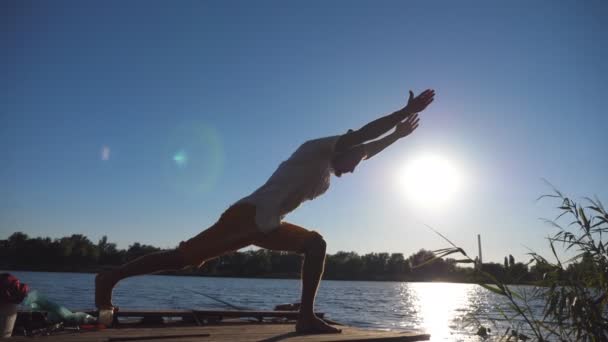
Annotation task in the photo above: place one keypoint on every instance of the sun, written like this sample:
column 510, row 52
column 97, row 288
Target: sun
column 430, row 181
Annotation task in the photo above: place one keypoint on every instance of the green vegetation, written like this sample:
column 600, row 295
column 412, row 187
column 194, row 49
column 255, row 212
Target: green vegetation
column 573, row 288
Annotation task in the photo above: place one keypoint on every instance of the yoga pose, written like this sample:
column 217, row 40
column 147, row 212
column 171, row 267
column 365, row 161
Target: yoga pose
column 258, row 218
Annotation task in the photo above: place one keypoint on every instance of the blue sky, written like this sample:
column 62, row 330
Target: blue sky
column 196, row 104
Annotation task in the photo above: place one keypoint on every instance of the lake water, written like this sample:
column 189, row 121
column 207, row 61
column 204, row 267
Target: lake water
column 445, row 310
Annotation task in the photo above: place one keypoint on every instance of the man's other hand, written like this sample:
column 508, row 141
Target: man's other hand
column 406, row 127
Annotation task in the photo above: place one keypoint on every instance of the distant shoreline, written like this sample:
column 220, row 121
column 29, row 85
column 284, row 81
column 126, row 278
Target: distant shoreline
column 76, row 253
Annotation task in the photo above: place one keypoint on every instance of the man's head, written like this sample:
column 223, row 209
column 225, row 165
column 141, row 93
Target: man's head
column 347, row 161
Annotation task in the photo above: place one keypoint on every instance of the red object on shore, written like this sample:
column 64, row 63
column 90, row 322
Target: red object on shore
column 11, row 290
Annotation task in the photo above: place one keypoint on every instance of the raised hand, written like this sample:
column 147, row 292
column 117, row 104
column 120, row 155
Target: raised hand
column 420, row 102
column 406, row 127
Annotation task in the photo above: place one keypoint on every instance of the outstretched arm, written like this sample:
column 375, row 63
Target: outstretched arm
column 402, row 130
column 380, row 126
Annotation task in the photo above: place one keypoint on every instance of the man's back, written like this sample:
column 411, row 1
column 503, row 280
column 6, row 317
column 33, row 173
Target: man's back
column 304, row 176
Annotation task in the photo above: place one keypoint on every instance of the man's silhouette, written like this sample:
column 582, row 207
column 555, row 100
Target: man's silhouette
column 258, row 218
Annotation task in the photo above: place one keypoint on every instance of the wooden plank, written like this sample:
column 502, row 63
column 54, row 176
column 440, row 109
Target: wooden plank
column 188, row 313
column 140, row 338
column 223, row 313
column 245, row 332
column 255, row 314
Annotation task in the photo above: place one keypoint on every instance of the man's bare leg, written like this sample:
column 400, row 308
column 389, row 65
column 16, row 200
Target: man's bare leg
column 150, row 263
column 223, row 237
column 312, row 270
column 293, row 238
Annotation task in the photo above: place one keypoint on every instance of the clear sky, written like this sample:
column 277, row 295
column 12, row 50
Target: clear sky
column 144, row 120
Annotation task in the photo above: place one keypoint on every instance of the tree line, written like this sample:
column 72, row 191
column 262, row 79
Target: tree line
column 77, row 253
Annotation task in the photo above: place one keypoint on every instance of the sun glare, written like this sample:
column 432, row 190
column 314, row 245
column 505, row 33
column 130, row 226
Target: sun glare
column 430, row 181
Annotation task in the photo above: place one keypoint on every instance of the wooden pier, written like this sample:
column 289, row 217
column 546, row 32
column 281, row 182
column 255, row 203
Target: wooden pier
column 203, row 326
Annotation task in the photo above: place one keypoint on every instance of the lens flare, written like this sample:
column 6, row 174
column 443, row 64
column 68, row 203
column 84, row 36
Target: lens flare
column 180, row 158
column 105, row 153
column 194, row 158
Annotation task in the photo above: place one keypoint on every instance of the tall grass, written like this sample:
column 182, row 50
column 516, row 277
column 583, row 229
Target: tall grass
column 574, row 287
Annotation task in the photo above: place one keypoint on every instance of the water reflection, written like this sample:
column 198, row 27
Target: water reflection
column 439, row 307
column 436, row 305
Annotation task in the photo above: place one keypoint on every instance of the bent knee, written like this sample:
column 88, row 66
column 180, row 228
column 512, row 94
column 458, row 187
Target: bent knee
column 316, row 244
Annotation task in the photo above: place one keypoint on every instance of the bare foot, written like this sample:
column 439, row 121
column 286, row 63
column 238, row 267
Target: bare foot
column 104, row 284
column 315, row 325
